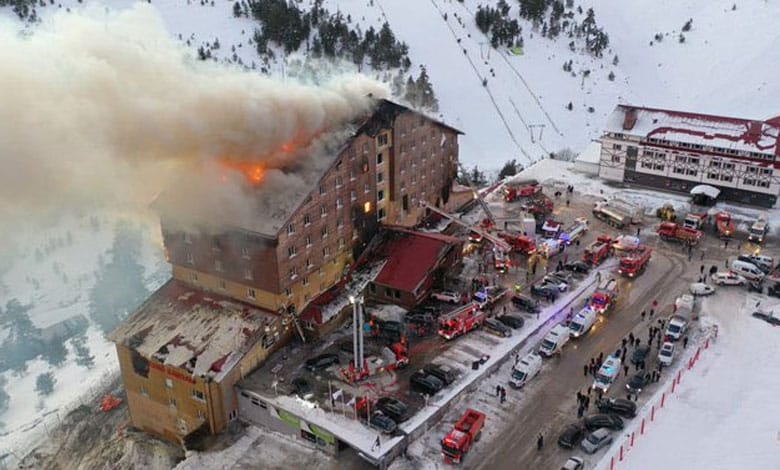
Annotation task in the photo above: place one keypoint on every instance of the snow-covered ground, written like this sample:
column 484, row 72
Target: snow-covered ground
column 724, row 413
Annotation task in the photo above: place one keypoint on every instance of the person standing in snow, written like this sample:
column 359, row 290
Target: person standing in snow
column 539, row 442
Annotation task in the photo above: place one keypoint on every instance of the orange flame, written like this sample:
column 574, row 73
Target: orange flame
column 253, row 172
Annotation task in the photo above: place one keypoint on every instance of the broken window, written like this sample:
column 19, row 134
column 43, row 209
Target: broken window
column 140, row 364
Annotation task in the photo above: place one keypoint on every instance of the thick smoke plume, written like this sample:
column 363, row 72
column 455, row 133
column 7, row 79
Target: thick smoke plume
column 103, row 107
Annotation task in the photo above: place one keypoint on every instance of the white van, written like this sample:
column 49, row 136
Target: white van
column 747, row 270
column 607, row 373
column 554, row 341
column 525, row 370
column 582, row 322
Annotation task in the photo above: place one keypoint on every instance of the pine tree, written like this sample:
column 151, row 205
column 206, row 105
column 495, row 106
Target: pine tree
column 611, row 76
column 509, row 169
column 44, row 384
column 237, row 10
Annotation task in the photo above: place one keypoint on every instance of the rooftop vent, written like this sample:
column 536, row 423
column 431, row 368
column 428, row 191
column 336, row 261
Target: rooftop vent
column 630, row 119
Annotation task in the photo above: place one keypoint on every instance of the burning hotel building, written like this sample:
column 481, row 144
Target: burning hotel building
column 236, row 291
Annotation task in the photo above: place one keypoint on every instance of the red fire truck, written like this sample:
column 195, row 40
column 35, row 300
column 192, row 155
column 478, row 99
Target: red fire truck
column 461, row 320
column 599, row 250
column 635, row 262
column 519, row 243
column 520, row 189
column 672, row 232
column 466, row 432
column 605, row 296
column 724, row 224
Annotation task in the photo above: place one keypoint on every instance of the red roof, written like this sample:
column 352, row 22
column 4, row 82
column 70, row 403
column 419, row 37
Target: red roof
column 410, row 257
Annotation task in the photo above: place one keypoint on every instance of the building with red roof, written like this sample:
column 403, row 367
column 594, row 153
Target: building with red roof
column 413, row 261
column 677, row 151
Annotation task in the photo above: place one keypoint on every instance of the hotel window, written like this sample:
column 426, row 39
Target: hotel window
column 251, row 293
column 339, row 222
column 339, row 181
column 245, row 252
column 381, row 140
column 324, row 232
column 222, row 284
column 353, row 196
column 288, row 292
column 617, row 147
column 322, row 189
column 351, row 174
column 293, row 272
column 366, row 188
column 172, row 402
column 218, row 265
column 201, row 415
column 193, row 277
column 292, row 251
column 380, row 177
column 323, row 211
column 308, row 241
column 248, row 274
column 341, row 243
column 380, row 195
column 379, row 158
column 168, row 382
column 144, row 391
column 290, row 228
column 307, row 220
column 189, row 257
column 365, row 148
column 381, row 214
column 615, row 159
column 309, row 263
column 326, row 252
column 339, row 204
column 306, row 281
column 198, row 395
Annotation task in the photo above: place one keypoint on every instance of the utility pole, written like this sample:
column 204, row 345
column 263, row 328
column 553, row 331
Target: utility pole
column 531, row 128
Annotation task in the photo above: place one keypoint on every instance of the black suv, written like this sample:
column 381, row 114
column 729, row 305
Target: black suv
column 444, row 373
column 604, row 420
column 638, row 382
column 497, row 328
column 545, row 290
column 571, row 436
column 393, row 408
column 425, row 383
column 512, row 321
column 640, row 354
column 579, row 267
column 618, row 406
column 383, row 423
column 323, row 361
column 526, row 303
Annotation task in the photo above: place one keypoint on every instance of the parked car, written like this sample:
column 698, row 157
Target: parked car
column 563, row 276
column 728, row 278
column 578, row 267
column 545, row 289
column 444, row 373
column 764, row 263
column 603, row 420
column 638, row 382
column 512, row 321
column 447, row 296
column 562, row 285
column 596, row 440
column 393, row 408
column 302, row 388
column 383, row 423
column 700, row 288
column 774, row 290
column 323, row 361
column 640, row 354
column 767, row 317
column 574, row 463
column 666, row 353
column 420, row 318
column 392, row 330
column 526, row 303
column 425, row 383
column 571, row 436
column 497, row 328
column 619, row 406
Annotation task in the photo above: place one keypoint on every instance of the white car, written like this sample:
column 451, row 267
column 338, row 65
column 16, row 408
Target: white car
column 561, row 284
column 574, row 463
column 447, row 296
column 666, row 353
column 728, row 278
column 700, row 288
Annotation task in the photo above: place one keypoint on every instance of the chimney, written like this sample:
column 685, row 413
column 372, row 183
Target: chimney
column 630, row 119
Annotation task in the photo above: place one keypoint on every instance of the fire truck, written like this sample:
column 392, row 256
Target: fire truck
column 466, row 432
column 724, row 224
column 501, row 261
column 461, row 320
column 598, row 251
column 670, row 231
column 519, row 243
column 575, row 231
column 635, row 262
column 520, row 189
column 605, row 296
column 611, row 215
column 393, row 357
column 551, row 229
column 695, row 220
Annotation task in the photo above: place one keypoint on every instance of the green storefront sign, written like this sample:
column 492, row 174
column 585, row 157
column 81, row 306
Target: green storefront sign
column 295, row 422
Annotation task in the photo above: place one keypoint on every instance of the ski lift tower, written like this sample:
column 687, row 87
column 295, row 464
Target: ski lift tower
column 357, row 331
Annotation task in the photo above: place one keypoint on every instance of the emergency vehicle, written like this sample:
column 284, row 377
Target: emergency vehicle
column 461, row 320
column 605, row 296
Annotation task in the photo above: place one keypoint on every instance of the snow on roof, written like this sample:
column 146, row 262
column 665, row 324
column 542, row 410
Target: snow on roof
column 707, row 190
column 693, row 128
column 360, row 280
column 591, row 154
column 410, row 257
column 192, row 329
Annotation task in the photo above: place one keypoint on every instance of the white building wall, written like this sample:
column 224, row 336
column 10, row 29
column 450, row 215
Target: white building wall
column 613, row 159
